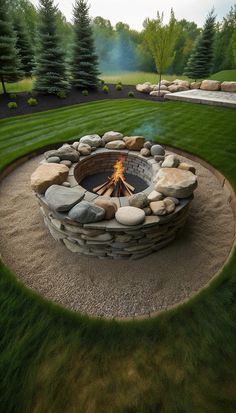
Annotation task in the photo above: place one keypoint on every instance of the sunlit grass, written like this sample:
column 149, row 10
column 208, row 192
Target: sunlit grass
column 127, row 78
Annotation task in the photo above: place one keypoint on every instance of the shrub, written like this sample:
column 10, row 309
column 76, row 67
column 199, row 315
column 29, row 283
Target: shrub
column 32, row 102
column 12, row 96
column 85, row 92
column 131, row 94
column 105, row 89
column 102, row 82
column 119, row 87
column 120, row 83
column 61, row 94
column 12, row 105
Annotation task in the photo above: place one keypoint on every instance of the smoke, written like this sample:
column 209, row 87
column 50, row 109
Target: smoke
column 151, row 131
column 117, row 53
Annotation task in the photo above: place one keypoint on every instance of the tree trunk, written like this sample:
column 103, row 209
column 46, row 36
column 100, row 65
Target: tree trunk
column 159, row 88
column 3, row 86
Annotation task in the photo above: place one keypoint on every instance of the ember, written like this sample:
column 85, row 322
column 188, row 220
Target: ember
column 116, row 185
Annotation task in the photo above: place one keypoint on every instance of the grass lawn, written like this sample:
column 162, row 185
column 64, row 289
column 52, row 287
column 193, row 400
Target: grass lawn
column 127, row 78
column 184, row 361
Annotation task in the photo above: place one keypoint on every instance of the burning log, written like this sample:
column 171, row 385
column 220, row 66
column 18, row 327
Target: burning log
column 116, row 185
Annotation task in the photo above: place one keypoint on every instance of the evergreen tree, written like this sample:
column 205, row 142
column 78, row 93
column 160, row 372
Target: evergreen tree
column 9, row 59
column 50, row 60
column 199, row 64
column 24, row 47
column 84, row 61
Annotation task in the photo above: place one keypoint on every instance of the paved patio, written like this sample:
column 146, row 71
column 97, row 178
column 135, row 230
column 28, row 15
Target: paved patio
column 205, row 97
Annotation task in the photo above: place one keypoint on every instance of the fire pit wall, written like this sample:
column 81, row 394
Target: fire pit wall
column 134, row 165
column 109, row 238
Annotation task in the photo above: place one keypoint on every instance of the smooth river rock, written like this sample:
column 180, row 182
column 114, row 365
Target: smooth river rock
column 86, row 212
column 48, row 174
column 115, row 145
column 61, row 199
column 157, row 150
column 92, row 140
column 84, row 149
column 129, row 215
column 155, row 196
column 211, row 85
column 66, row 153
column 112, row 136
column 176, row 182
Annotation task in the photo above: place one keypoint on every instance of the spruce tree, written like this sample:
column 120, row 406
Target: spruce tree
column 50, row 69
column 200, row 61
column 24, row 47
column 9, row 59
column 84, row 61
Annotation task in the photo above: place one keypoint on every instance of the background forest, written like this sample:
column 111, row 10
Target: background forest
column 120, row 48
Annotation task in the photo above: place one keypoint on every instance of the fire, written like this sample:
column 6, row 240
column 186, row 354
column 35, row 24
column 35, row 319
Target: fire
column 119, row 169
column 116, row 185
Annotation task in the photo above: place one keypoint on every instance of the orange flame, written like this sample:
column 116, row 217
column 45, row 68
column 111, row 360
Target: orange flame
column 119, row 169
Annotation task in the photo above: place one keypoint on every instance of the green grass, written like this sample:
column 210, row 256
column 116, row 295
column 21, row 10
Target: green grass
column 54, row 361
column 227, row 75
column 127, row 78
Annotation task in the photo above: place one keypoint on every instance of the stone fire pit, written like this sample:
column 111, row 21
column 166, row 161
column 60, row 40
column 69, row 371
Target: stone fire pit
column 127, row 227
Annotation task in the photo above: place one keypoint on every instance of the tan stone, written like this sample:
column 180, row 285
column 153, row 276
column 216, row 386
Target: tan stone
column 134, row 143
column 144, row 88
column 176, row 182
column 170, row 205
column 195, row 85
column 210, row 85
column 109, row 207
column 158, row 207
column 115, row 145
column 47, row 175
column 228, row 86
column 187, row 167
column 156, row 93
column 155, row 196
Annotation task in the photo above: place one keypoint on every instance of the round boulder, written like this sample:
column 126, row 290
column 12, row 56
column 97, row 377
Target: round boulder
column 91, row 140
column 130, row 215
column 157, row 150
column 86, row 212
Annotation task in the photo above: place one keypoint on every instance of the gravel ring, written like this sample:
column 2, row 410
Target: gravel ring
column 107, row 288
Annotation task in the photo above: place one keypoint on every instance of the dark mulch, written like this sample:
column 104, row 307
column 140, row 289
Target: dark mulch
column 73, row 98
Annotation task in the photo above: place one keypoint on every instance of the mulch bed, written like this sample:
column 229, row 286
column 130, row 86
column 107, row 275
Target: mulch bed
column 46, row 102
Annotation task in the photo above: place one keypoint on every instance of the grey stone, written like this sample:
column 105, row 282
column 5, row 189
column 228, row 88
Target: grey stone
column 92, row 140
column 138, row 200
column 53, row 159
column 112, row 136
column 159, row 158
column 130, row 215
column 145, row 152
column 148, row 145
column 67, row 154
column 86, row 212
column 171, row 161
column 75, row 145
column 67, row 163
column 62, row 199
column 157, row 150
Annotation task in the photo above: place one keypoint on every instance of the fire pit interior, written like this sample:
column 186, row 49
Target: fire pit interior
column 114, row 196
column 122, row 175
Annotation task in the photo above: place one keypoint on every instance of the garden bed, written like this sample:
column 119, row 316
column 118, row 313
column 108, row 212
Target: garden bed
column 74, row 97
